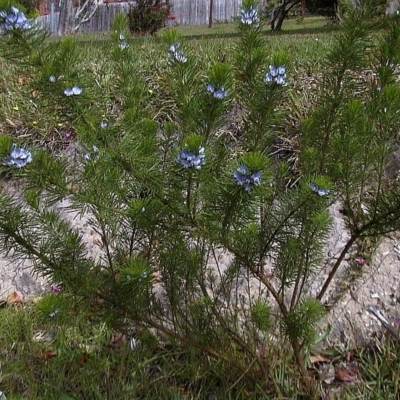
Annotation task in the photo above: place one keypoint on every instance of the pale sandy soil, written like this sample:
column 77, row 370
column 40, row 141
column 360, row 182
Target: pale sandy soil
column 350, row 320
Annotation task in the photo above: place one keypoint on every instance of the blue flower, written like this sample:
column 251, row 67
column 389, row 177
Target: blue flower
column 247, row 179
column 174, row 47
column 54, row 313
column 249, row 16
column 189, row 159
column 87, row 156
column 18, row 157
column 210, row 88
column 176, row 53
column 216, row 93
column 14, row 20
column 276, row 74
column 73, row 91
column 103, row 124
column 318, row 190
column 52, row 78
column 123, row 45
column 179, row 56
column 280, row 80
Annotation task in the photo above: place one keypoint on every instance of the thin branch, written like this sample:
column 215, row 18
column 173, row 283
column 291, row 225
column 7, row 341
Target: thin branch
column 236, row 338
column 328, row 280
column 89, row 8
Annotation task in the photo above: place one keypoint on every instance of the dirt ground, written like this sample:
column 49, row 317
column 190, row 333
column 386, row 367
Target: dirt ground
column 350, row 320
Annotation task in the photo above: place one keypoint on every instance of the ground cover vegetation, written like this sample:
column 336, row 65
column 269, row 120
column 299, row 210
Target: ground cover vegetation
column 193, row 153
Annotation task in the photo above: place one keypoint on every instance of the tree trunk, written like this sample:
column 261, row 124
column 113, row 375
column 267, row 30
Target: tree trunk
column 336, row 12
column 279, row 15
column 282, row 14
column 210, row 15
column 65, row 21
column 274, row 15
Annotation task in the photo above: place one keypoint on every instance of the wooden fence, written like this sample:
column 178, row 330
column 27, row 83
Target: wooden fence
column 186, row 12
column 100, row 21
column 196, row 12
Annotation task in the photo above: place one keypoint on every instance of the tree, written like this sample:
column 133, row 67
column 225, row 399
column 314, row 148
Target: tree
column 323, row 7
column 280, row 12
column 327, row 8
column 71, row 18
column 210, row 15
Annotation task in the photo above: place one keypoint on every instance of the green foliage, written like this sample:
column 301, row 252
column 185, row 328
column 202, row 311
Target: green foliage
column 299, row 324
column 7, row 4
column 261, row 315
column 148, row 16
column 170, row 194
column 29, row 8
column 380, row 367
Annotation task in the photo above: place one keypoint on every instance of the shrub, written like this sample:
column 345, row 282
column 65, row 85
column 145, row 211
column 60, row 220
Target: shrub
column 26, row 6
column 6, row 5
column 148, row 16
column 171, row 198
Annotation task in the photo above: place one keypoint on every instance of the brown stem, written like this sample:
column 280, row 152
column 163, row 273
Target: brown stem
column 231, row 333
column 166, row 331
column 336, row 266
column 278, row 298
column 304, row 376
column 28, row 246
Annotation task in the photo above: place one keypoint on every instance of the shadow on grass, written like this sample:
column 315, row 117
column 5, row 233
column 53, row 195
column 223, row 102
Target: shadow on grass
column 299, row 31
column 103, row 37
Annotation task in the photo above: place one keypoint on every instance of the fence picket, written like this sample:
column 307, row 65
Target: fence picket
column 186, row 12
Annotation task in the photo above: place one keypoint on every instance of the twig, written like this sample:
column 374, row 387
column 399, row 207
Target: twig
column 336, row 266
column 242, row 375
column 385, row 323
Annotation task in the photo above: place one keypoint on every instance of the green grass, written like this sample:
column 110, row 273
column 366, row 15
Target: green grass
column 310, row 24
column 304, row 41
column 305, row 44
column 84, row 359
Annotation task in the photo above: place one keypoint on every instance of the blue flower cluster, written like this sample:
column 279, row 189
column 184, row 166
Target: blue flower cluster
column 54, row 313
column 52, row 79
column 321, row 192
column 189, row 159
column 87, row 156
column 73, row 91
column 249, row 16
column 276, row 74
column 247, row 179
column 176, row 54
column 18, row 157
column 15, row 19
column 122, row 43
column 216, row 93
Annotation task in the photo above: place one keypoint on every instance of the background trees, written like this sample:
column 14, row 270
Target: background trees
column 282, row 8
column 74, row 14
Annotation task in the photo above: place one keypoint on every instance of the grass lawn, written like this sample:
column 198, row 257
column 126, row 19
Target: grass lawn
column 305, row 41
column 304, row 44
column 290, row 26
